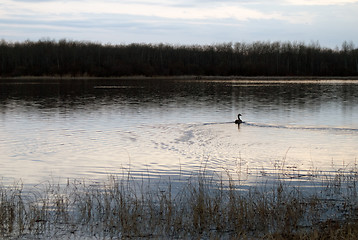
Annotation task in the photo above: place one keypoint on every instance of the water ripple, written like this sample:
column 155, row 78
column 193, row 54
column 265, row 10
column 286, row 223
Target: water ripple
column 323, row 128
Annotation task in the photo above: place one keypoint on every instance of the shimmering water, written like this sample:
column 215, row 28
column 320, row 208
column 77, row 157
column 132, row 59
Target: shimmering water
column 59, row 129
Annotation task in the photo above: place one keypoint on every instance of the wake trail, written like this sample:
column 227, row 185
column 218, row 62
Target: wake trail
column 318, row 128
column 281, row 126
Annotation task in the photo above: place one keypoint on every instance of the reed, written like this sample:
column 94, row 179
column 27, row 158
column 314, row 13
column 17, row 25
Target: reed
column 207, row 206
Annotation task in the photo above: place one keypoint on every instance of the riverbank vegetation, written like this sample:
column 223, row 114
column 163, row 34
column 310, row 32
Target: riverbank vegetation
column 204, row 207
column 88, row 59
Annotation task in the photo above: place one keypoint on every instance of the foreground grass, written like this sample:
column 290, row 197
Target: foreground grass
column 205, row 207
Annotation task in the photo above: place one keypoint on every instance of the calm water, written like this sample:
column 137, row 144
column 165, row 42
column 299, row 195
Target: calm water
column 52, row 129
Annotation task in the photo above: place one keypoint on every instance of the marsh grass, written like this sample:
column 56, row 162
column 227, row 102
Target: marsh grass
column 207, row 206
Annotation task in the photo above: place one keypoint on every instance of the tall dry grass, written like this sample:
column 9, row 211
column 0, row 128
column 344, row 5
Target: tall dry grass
column 206, row 206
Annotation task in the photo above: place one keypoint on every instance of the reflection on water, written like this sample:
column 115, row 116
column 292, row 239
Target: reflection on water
column 92, row 128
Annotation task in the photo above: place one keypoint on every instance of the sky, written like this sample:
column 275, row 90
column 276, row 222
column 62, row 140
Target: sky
column 330, row 22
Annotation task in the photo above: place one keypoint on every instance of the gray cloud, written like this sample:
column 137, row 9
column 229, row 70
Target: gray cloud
column 274, row 21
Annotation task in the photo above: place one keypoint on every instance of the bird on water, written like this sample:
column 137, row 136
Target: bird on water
column 238, row 120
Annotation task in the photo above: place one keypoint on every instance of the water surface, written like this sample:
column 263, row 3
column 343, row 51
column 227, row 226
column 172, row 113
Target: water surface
column 59, row 129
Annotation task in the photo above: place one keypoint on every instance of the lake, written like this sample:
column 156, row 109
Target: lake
column 54, row 130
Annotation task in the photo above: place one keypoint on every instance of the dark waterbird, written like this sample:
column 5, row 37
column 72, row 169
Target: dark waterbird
column 238, row 120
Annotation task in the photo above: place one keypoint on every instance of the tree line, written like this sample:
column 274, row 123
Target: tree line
column 76, row 58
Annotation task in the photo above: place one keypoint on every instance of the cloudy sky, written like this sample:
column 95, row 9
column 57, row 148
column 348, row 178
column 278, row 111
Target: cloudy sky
column 181, row 21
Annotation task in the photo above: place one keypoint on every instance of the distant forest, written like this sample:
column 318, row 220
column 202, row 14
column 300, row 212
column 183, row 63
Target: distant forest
column 75, row 58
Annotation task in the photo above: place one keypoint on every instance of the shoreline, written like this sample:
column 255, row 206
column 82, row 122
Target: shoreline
column 191, row 78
